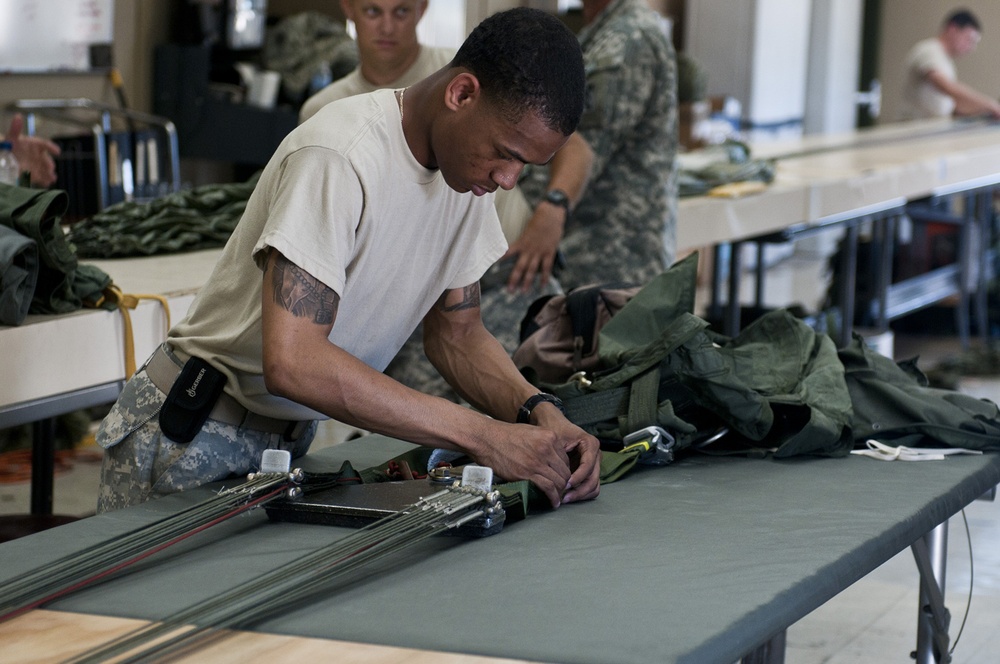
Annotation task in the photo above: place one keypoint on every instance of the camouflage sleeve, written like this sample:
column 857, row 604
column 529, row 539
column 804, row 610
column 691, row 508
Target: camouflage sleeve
column 619, row 89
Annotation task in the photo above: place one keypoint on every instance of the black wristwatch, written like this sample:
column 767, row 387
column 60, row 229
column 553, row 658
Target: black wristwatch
column 558, row 197
column 524, row 412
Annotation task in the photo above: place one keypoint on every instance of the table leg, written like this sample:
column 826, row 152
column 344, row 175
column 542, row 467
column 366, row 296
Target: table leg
column 43, row 457
column 982, row 258
column 733, row 323
column 715, row 300
column 848, row 285
column 933, row 617
column 771, row 652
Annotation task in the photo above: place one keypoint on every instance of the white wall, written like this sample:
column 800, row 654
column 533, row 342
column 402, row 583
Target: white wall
column 757, row 52
column 719, row 35
column 834, row 62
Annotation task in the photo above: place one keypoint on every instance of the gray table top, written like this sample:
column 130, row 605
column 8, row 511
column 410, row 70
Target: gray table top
column 700, row 561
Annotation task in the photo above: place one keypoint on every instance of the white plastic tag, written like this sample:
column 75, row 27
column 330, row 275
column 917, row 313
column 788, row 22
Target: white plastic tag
column 478, row 477
column 275, row 461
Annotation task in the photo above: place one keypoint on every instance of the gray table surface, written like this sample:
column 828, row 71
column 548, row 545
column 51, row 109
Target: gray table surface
column 700, row 561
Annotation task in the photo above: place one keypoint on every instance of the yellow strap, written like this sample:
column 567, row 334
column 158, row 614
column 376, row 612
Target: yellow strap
column 126, row 301
column 642, row 446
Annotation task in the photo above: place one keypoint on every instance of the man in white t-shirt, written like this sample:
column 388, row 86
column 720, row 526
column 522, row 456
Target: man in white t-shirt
column 391, row 56
column 372, row 217
column 931, row 88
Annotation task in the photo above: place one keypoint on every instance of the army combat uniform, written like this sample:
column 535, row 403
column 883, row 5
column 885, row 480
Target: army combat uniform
column 623, row 229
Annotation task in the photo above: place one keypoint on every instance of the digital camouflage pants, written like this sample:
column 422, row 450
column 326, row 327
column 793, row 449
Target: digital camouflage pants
column 140, row 462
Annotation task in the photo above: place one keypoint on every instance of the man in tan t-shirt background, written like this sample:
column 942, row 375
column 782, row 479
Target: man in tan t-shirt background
column 389, row 55
column 931, row 87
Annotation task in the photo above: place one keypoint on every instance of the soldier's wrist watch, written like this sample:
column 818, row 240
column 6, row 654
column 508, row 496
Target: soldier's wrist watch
column 524, row 412
column 558, row 198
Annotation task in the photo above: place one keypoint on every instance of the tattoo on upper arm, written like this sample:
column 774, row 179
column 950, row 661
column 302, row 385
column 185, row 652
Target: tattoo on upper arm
column 469, row 299
column 302, row 294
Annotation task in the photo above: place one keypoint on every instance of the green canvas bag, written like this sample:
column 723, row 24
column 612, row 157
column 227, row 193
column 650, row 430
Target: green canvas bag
column 777, row 387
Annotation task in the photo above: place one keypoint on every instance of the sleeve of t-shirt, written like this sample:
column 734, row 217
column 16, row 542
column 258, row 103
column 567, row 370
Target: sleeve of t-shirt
column 314, row 208
column 489, row 246
column 926, row 60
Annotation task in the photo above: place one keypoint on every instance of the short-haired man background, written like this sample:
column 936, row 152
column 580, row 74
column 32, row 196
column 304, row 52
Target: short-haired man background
column 931, row 88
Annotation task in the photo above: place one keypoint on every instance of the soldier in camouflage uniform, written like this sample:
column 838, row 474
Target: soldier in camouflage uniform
column 623, row 229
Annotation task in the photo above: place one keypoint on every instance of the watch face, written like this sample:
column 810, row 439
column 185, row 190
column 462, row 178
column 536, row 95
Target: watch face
column 558, row 197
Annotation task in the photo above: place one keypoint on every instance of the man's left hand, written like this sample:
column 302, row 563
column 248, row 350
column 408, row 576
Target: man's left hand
column 584, row 452
column 536, row 248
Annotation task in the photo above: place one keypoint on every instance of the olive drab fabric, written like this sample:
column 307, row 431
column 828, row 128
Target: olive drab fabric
column 200, row 218
column 701, row 170
column 18, row 275
column 894, row 404
column 778, row 386
column 63, row 284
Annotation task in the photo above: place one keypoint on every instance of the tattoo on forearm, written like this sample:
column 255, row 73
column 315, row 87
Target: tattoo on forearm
column 302, row 294
column 470, row 299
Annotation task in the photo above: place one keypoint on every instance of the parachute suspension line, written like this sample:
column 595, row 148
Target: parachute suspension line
column 85, row 567
column 284, row 587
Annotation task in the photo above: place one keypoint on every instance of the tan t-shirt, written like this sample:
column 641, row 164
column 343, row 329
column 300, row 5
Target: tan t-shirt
column 430, row 59
column 344, row 199
column 920, row 98
column 513, row 208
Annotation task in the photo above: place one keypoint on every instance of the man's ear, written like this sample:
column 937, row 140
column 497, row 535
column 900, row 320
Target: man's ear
column 347, row 8
column 463, row 90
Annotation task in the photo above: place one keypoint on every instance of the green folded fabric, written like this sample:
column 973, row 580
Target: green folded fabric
column 18, row 275
column 201, row 218
column 36, row 214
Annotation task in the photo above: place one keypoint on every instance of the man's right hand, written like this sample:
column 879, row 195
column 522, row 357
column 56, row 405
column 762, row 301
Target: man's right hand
column 546, row 458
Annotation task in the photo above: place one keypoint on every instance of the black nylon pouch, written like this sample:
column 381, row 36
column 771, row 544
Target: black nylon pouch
column 191, row 399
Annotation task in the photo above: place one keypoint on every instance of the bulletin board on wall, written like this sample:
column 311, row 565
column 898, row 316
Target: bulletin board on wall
column 58, row 36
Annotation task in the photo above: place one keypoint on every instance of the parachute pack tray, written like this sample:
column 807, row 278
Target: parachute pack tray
column 356, row 506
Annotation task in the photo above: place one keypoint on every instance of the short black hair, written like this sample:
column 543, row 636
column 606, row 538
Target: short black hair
column 527, row 59
column 963, row 18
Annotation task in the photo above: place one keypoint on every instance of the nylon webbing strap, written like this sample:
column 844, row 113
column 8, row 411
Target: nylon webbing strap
column 643, row 400
column 581, row 304
column 656, row 385
column 124, row 302
column 597, row 406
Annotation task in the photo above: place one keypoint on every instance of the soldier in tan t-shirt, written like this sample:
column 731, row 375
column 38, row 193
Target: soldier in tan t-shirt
column 390, row 56
column 931, row 88
column 374, row 215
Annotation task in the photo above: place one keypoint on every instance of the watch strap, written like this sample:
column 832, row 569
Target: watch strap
column 559, row 198
column 524, row 412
